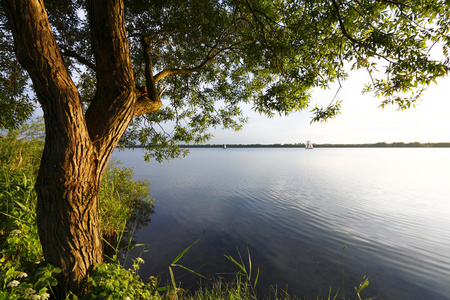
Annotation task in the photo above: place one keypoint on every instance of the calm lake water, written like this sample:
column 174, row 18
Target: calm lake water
column 310, row 218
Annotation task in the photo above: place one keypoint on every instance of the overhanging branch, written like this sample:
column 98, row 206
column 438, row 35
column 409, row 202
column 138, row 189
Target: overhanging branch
column 169, row 72
column 209, row 58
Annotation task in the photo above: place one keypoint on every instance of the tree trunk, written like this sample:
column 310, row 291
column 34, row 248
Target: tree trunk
column 77, row 147
column 67, row 212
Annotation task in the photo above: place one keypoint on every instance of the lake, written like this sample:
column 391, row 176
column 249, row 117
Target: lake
column 311, row 219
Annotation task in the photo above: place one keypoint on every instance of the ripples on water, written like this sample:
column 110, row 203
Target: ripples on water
column 310, row 218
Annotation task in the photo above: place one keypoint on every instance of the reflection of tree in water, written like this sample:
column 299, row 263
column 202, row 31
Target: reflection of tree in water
column 141, row 215
column 124, row 240
column 125, row 207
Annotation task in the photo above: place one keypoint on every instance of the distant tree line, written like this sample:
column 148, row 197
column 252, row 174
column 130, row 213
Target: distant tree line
column 302, row 145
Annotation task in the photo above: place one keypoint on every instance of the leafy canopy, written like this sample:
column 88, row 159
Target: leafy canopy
column 205, row 58
column 16, row 106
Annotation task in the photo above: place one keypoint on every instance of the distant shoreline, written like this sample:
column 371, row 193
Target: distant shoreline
column 301, row 145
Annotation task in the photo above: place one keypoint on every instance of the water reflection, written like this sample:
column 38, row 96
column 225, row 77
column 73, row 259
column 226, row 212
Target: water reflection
column 123, row 241
column 311, row 219
column 125, row 207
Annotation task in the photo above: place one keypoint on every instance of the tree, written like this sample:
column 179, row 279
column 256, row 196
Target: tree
column 100, row 67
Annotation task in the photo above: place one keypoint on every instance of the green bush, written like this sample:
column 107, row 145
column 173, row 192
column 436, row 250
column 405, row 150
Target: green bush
column 19, row 162
column 125, row 206
column 112, row 281
column 123, row 200
column 23, row 275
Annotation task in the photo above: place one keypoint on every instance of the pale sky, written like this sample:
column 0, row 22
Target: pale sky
column 360, row 121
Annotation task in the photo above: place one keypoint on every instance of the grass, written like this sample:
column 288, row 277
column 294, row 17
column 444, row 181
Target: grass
column 125, row 204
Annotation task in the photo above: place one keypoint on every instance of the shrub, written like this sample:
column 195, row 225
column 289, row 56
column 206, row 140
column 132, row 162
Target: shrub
column 112, row 281
column 123, row 199
column 125, row 206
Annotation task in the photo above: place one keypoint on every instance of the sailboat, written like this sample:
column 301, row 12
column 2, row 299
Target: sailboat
column 309, row 145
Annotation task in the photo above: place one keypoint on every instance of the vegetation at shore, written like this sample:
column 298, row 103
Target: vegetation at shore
column 125, row 204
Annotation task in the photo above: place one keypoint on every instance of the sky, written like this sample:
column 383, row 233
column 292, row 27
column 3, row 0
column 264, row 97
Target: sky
column 361, row 120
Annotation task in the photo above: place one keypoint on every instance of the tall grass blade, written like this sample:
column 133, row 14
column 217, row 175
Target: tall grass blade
column 182, row 253
column 361, row 287
column 256, row 279
column 187, row 269
column 24, row 208
column 172, row 278
column 249, row 275
column 335, row 296
column 238, row 265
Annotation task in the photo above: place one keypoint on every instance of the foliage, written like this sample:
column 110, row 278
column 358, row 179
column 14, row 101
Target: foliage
column 35, row 285
column 207, row 58
column 123, row 199
column 125, row 206
column 23, row 274
column 323, row 114
column 112, row 281
column 16, row 105
column 19, row 162
column 364, row 283
column 243, row 284
column 247, row 274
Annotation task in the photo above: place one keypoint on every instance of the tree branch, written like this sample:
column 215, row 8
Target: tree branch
column 110, row 47
column 341, row 24
column 150, row 82
column 209, row 58
column 144, row 105
column 81, row 59
column 149, row 99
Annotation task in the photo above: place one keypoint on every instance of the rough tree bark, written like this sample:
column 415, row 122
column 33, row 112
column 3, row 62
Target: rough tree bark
column 77, row 146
